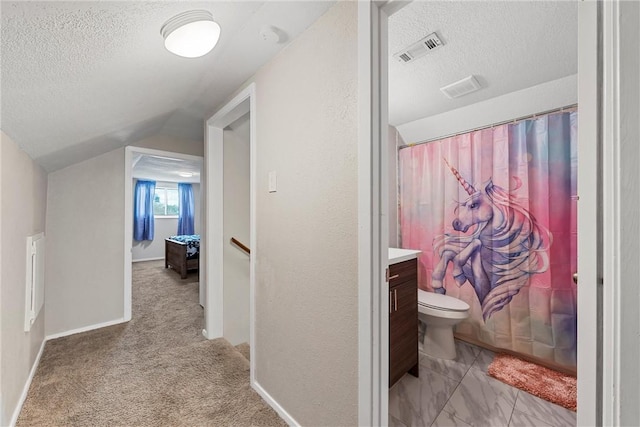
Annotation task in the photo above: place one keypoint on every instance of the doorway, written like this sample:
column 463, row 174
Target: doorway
column 222, row 304
column 374, row 209
column 164, row 167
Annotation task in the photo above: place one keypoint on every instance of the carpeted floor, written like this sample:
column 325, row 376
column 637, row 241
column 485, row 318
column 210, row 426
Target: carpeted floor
column 245, row 350
column 156, row 370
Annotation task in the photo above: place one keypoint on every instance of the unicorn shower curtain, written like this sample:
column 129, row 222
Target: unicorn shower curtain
column 494, row 213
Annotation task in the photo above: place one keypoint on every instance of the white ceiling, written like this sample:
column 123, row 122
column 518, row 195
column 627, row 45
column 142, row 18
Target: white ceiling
column 91, row 76
column 507, row 45
column 159, row 168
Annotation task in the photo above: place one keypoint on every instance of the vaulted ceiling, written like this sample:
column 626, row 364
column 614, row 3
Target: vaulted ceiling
column 85, row 77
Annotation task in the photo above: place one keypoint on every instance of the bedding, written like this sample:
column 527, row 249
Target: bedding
column 192, row 241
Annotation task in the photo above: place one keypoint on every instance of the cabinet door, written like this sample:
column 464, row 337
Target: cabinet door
column 403, row 330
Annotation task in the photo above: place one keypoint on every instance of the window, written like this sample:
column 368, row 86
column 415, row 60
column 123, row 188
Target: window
column 165, row 202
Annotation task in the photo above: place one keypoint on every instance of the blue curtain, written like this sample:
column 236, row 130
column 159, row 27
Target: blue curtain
column 143, row 210
column 185, row 218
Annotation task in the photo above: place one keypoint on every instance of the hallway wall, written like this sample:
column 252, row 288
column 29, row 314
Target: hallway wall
column 306, row 326
column 85, row 226
column 23, row 185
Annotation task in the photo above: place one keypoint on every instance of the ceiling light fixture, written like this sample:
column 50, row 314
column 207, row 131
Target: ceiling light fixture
column 191, row 34
column 185, row 174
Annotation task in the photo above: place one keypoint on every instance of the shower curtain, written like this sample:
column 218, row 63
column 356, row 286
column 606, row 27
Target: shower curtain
column 494, row 213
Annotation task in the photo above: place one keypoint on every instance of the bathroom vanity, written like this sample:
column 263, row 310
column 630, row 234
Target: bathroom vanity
column 403, row 313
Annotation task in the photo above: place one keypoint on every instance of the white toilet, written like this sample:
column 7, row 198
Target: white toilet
column 440, row 313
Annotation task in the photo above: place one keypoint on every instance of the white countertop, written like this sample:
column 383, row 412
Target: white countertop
column 397, row 255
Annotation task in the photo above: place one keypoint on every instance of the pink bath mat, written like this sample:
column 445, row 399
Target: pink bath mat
column 545, row 383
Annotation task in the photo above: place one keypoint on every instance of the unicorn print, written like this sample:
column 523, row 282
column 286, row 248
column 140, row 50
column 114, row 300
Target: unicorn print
column 498, row 246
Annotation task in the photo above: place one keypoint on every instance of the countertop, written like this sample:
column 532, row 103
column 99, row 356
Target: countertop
column 397, row 255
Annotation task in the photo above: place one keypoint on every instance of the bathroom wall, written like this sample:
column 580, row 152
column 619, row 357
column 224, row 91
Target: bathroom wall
column 536, row 99
column 395, row 141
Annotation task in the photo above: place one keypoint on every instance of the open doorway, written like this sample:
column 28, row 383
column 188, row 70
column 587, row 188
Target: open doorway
column 170, row 185
column 487, row 197
column 230, row 238
column 375, row 306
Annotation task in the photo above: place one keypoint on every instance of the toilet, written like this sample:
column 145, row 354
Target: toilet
column 440, row 313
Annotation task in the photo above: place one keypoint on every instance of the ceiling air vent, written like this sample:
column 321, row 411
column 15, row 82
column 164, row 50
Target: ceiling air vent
column 419, row 48
column 461, row 87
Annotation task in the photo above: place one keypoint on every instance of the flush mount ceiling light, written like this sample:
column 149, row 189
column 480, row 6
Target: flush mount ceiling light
column 191, row 34
column 185, row 174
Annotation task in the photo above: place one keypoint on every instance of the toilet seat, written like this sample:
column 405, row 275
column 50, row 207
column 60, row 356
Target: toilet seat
column 440, row 302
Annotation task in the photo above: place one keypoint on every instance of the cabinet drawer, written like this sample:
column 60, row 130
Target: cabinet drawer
column 405, row 271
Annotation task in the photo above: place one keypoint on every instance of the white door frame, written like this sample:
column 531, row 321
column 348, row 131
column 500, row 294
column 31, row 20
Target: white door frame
column 244, row 102
column 620, row 133
column 373, row 213
column 128, row 212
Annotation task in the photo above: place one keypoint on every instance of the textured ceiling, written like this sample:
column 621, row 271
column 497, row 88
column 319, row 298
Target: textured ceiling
column 82, row 78
column 159, row 168
column 507, row 45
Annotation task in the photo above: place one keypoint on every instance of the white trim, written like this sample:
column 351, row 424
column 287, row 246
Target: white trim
column 148, row 259
column 621, row 185
column 274, row 404
column 373, row 210
column 85, row 329
column 213, row 240
column 128, row 214
column 611, row 225
column 373, row 207
column 128, row 231
column 27, row 385
column 588, row 163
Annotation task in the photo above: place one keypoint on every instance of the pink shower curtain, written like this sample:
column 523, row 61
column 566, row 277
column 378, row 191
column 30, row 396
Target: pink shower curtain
column 494, row 213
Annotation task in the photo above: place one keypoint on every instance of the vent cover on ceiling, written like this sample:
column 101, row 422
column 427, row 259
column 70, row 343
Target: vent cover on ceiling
column 418, row 49
column 461, row 87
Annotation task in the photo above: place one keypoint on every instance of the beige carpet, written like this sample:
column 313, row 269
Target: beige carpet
column 244, row 349
column 156, row 370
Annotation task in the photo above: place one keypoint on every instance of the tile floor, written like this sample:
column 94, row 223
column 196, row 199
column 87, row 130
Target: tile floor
column 460, row 393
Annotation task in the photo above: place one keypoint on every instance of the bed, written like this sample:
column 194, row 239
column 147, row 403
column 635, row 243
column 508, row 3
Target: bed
column 182, row 253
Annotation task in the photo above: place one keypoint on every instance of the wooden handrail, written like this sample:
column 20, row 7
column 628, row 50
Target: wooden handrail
column 240, row 245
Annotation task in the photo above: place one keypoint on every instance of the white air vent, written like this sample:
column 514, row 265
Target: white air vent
column 418, row 49
column 461, row 87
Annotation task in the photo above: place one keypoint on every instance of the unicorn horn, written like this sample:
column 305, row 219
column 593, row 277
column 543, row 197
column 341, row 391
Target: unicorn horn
column 467, row 187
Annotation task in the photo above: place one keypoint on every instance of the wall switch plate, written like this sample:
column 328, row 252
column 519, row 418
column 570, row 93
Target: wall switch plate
column 273, row 182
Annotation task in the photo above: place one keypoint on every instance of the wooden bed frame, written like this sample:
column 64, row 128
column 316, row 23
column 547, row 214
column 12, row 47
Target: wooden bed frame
column 175, row 255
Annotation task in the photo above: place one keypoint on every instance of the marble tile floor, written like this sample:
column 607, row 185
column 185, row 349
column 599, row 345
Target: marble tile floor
column 460, row 393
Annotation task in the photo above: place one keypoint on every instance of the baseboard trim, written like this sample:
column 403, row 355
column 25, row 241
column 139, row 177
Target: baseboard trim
column 27, row 385
column 275, row 405
column 147, row 259
column 84, row 329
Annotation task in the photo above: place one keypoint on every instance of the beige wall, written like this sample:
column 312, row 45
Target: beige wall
column 171, row 143
column 85, row 243
column 306, row 291
column 236, row 224
column 85, row 227
column 24, row 194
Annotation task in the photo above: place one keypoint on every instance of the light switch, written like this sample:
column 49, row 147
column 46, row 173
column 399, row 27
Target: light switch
column 273, row 182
